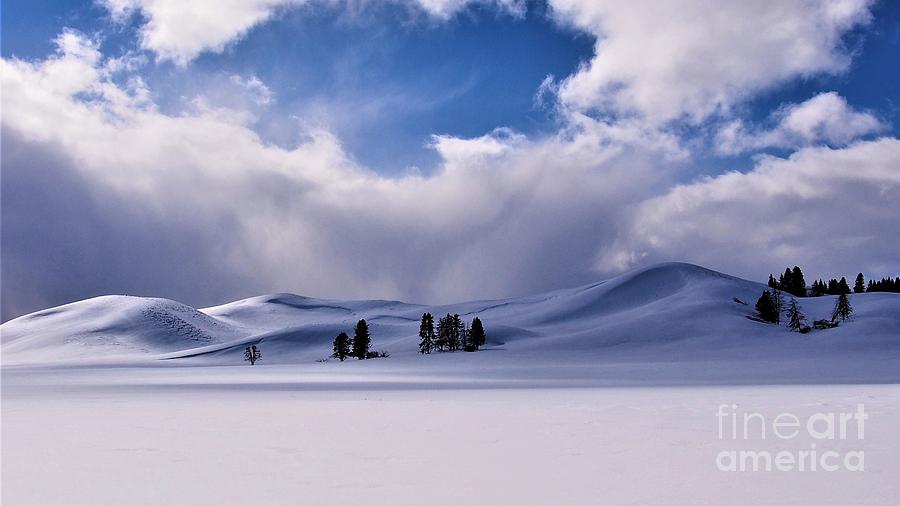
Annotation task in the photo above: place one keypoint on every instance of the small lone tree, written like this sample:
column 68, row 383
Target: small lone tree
column 361, row 340
column 252, row 354
column 860, row 285
column 765, row 308
column 426, row 334
column 477, row 337
column 842, row 308
column 796, row 320
column 341, row 346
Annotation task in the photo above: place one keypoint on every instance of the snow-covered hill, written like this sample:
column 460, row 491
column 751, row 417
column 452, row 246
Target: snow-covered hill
column 665, row 312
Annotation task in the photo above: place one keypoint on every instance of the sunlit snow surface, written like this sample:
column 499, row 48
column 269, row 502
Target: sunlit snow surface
column 604, row 394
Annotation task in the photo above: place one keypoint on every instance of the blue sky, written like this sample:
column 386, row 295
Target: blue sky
column 480, row 133
column 463, row 77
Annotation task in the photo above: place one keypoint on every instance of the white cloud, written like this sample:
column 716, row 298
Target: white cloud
column 824, row 118
column 447, row 8
column 670, row 59
column 833, row 211
column 503, row 214
column 258, row 91
column 489, row 222
column 180, row 30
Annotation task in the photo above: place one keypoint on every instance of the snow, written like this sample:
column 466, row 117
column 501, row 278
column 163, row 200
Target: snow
column 605, row 393
column 207, row 444
column 666, row 312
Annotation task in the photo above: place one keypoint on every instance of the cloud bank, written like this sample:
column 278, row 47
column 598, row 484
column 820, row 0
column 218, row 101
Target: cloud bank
column 105, row 193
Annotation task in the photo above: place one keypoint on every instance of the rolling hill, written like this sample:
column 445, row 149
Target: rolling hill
column 666, row 312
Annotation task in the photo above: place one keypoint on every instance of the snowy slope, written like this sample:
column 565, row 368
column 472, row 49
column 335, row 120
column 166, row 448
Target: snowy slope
column 665, row 312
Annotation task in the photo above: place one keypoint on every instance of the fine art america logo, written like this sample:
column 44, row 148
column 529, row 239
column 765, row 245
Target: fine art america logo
column 802, row 443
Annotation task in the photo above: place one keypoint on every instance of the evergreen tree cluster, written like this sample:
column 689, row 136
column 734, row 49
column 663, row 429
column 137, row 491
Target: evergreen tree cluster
column 344, row 347
column 793, row 282
column 833, row 287
column 770, row 306
column 450, row 334
column 885, row 285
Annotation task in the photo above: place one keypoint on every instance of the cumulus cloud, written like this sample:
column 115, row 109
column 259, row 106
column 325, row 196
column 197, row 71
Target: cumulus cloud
column 194, row 205
column 671, row 59
column 180, row 30
column 836, row 209
column 503, row 214
column 824, row 118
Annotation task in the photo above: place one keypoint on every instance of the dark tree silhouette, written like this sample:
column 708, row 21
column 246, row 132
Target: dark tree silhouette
column 860, row 285
column 361, row 340
column 765, row 307
column 843, row 287
column 477, row 336
column 341, row 346
column 442, row 339
column 798, row 283
column 786, row 280
column 842, row 308
column 778, row 305
column 454, row 337
column 818, row 288
column 796, row 320
column 885, row 285
column 252, row 354
column 426, row 334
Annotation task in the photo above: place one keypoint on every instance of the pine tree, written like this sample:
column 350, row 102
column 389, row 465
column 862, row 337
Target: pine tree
column 765, row 307
column 772, row 282
column 426, row 334
column 796, row 320
column 361, row 340
column 777, row 306
column 843, row 287
column 798, row 284
column 832, row 287
column 443, row 333
column 453, row 332
column 252, row 354
column 786, row 281
column 477, row 337
column 341, row 346
column 842, row 308
column 860, row 285
column 818, row 288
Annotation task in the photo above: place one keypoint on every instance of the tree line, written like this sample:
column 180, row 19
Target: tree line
column 793, row 282
column 452, row 334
